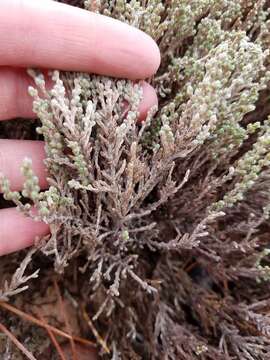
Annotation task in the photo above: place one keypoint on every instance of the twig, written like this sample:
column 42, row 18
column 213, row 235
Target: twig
column 19, row 345
column 46, row 326
column 94, row 331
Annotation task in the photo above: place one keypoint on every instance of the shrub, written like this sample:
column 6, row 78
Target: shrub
column 169, row 219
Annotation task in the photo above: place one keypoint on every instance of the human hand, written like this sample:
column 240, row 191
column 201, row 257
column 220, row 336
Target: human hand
column 49, row 35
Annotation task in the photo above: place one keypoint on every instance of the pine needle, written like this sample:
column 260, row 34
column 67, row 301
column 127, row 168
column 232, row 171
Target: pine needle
column 64, row 314
column 95, row 332
column 38, row 322
column 54, row 341
column 16, row 342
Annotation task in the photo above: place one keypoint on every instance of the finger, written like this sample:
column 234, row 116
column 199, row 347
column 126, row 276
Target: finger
column 18, row 231
column 54, row 35
column 15, row 101
column 12, row 154
column 14, row 98
column 149, row 100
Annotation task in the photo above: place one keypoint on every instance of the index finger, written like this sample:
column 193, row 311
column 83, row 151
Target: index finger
column 49, row 34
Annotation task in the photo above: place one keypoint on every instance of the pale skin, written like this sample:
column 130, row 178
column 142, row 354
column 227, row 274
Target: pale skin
column 48, row 35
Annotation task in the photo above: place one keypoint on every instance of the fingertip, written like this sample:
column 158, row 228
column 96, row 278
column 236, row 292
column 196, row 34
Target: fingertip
column 154, row 57
column 149, row 100
column 146, row 56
